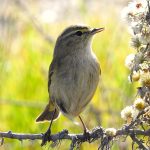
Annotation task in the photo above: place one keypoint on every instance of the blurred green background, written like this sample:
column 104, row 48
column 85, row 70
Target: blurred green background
column 28, row 31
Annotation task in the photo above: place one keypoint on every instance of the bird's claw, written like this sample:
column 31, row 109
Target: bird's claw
column 46, row 137
column 86, row 134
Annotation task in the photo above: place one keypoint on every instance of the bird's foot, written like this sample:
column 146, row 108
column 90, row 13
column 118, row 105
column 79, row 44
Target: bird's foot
column 86, row 134
column 46, row 137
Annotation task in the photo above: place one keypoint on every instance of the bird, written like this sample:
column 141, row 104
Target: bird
column 73, row 76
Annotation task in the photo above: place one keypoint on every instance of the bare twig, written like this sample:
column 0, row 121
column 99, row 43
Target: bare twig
column 95, row 134
column 132, row 131
column 140, row 144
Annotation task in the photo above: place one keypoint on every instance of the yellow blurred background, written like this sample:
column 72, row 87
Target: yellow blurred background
column 28, row 31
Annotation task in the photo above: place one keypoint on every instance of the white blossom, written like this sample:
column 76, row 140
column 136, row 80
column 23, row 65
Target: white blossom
column 145, row 34
column 145, row 78
column 111, row 131
column 136, row 27
column 144, row 66
column 128, row 112
column 135, row 10
column 129, row 62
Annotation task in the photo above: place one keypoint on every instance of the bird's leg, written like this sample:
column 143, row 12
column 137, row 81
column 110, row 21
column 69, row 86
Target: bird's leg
column 86, row 132
column 47, row 134
column 84, row 126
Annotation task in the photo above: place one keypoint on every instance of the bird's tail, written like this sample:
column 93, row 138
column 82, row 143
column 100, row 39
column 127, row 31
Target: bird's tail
column 50, row 112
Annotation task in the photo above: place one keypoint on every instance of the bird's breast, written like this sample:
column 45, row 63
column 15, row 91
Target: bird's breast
column 74, row 83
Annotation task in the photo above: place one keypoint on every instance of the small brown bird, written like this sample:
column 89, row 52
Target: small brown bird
column 73, row 74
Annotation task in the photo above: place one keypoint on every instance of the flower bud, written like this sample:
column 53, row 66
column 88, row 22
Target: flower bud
column 139, row 104
column 145, row 78
column 135, row 76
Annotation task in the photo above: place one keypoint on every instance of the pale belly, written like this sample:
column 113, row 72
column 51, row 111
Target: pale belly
column 74, row 85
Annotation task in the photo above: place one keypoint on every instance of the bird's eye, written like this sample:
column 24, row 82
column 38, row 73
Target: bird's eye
column 78, row 33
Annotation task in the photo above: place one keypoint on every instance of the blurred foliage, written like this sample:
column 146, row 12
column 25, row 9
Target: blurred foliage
column 24, row 61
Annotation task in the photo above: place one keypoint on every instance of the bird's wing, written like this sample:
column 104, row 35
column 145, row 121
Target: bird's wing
column 50, row 73
column 50, row 112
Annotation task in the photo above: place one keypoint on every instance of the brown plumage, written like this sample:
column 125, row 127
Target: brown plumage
column 73, row 74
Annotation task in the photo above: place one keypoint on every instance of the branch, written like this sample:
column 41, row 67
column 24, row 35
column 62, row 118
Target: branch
column 105, row 136
column 140, row 143
column 95, row 134
column 132, row 132
column 20, row 136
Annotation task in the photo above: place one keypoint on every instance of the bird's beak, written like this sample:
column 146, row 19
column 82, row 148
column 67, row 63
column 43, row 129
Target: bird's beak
column 96, row 30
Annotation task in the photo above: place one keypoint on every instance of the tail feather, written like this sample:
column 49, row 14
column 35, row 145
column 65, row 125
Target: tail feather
column 47, row 114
